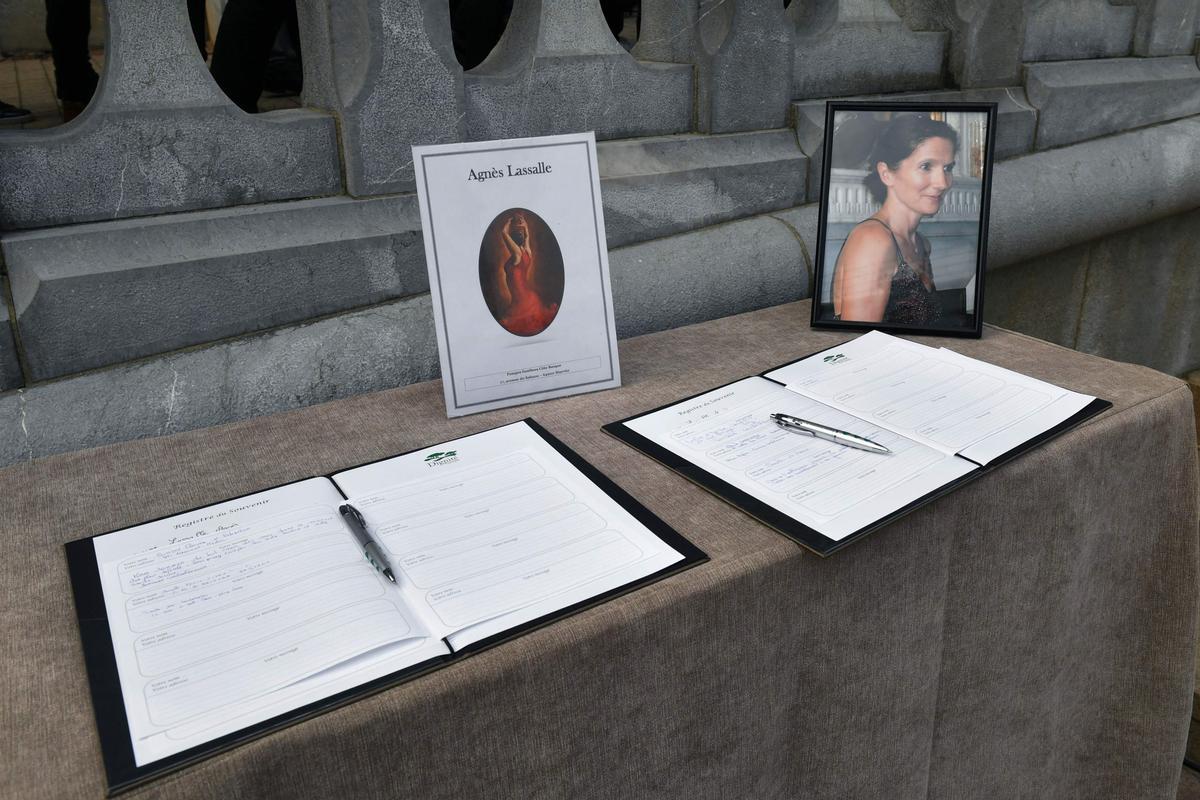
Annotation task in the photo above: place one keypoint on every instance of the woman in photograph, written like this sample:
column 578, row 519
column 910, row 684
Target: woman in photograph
column 883, row 273
column 524, row 312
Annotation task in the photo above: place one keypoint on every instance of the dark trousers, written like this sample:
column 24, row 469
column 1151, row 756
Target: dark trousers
column 248, row 30
column 68, row 23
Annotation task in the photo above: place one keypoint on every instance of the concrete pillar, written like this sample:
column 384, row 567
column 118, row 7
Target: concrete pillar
column 987, row 37
column 667, row 31
column 387, row 69
column 744, row 65
column 1165, row 27
column 558, row 69
column 1058, row 30
column 886, row 56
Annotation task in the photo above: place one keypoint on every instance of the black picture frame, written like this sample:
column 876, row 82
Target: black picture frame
column 852, row 130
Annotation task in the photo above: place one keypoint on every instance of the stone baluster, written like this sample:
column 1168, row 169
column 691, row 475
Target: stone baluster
column 558, row 69
column 1165, row 27
column 1057, row 30
column 986, row 37
column 667, row 31
column 744, row 65
column 159, row 136
column 387, row 69
column 847, row 47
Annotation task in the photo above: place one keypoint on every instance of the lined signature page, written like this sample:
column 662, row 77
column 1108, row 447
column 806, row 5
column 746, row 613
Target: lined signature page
column 238, row 612
column 833, row 489
column 496, row 529
column 935, row 396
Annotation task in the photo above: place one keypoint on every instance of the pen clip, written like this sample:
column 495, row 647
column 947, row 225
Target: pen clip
column 793, row 424
column 350, row 511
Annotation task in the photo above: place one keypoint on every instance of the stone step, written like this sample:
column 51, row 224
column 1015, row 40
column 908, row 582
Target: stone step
column 1015, row 123
column 92, row 295
column 1048, row 200
column 732, row 267
column 659, row 186
column 1079, row 100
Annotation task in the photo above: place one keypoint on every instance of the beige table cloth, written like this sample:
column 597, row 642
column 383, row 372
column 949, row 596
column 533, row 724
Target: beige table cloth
column 1030, row 635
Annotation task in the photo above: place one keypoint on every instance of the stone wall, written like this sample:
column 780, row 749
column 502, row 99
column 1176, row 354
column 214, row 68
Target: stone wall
column 170, row 262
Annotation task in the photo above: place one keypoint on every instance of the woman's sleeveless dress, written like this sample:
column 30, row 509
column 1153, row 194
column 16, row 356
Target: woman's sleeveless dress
column 909, row 302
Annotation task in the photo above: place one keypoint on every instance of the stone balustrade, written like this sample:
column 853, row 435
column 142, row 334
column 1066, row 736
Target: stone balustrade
column 172, row 262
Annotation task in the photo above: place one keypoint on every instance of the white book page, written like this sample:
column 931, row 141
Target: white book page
column 493, row 530
column 235, row 613
column 831, row 488
column 935, row 396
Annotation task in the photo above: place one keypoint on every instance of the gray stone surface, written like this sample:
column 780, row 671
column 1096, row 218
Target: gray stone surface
column 558, row 69
column 93, row 295
column 1041, row 297
column 387, row 69
column 926, row 15
column 1058, row 30
column 10, row 368
column 1049, row 200
column 802, row 222
column 376, row 348
column 846, row 47
column 666, row 185
column 1143, row 292
column 709, row 273
column 1165, row 27
column 667, row 32
column 743, row 66
column 986, row 41
column 1078, row 100
column 159, row 137
column 1015, row 124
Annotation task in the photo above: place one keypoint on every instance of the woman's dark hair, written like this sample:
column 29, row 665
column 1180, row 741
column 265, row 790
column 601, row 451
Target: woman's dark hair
column 896, row 142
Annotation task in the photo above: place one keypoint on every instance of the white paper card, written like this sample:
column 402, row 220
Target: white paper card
column 518, row 270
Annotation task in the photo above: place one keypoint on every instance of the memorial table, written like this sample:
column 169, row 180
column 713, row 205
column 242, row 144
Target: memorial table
column 1030, row 635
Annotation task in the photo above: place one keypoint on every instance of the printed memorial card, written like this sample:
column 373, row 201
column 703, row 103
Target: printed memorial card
column 518, row 270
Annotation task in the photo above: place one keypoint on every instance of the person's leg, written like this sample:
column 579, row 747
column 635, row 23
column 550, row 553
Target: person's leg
column 196, row 13
column 68, row 24
column 476, row 26
column 243, row 45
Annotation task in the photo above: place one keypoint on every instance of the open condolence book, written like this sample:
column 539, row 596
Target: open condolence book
column 946, row 418
column 206, row 628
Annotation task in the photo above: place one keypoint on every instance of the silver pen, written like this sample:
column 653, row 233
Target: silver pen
column 797, row 425
column 374, row 554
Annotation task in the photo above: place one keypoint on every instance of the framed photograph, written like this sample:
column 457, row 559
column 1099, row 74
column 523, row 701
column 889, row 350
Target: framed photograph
column 902, row 230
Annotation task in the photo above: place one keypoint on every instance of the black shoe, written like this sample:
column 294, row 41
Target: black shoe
column 11, row 115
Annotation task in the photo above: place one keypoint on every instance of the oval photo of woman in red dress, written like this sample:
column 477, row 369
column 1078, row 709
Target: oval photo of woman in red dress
column 521, row 272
